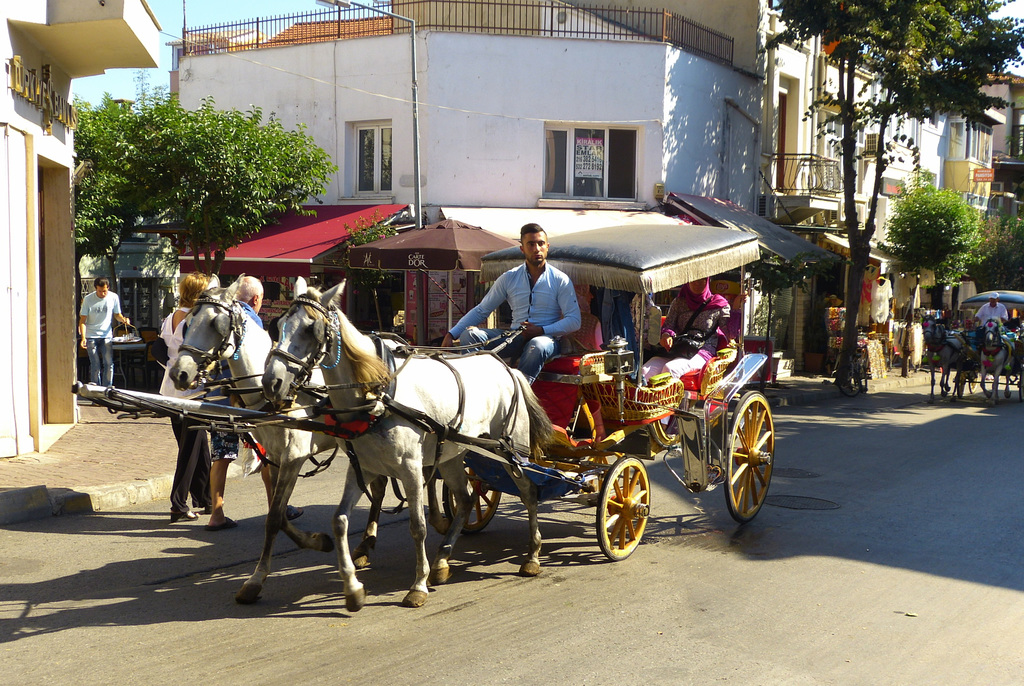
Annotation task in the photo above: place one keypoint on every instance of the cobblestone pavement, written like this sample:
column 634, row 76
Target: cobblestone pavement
column 105, row 463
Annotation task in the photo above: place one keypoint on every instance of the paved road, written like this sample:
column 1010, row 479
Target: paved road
column 908, row 573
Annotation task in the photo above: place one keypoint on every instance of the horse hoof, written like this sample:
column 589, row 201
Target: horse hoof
column 414, row 599
column 354, row 601
column 529, row 569
column 248, row 594
column 931, row 401
column 324, row 544
column 440, row 574
column 361, row 562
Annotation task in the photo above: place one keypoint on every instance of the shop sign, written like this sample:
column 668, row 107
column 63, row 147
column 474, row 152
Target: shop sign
column 589, row 158
column 890, row 186
column 37, row 88
column 984, row 175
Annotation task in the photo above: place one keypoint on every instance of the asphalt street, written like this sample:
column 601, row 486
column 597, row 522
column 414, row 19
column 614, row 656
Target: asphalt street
column 888, row 553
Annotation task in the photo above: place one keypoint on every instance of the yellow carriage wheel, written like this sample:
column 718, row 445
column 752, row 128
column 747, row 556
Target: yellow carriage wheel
column 481, row 512
column 623, row 508
column 752, row 454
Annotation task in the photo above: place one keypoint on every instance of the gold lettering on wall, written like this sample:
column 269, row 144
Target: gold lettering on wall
column 37, row 89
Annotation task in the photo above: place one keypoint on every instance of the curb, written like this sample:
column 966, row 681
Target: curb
column 18, row 505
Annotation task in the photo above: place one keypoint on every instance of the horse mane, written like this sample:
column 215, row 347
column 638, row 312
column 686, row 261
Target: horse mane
column 367, row 367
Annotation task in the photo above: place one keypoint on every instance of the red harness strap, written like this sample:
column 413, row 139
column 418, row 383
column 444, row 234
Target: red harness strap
column 354, row 428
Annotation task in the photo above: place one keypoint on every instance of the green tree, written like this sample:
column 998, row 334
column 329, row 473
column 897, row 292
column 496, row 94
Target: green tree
column 108, row 204
column 898, row 59
column 999, row 259
column 222, row 174
column 932, row 228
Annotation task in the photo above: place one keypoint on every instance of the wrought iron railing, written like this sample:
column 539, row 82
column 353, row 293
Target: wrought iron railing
column 810, row 174
column 548, row 18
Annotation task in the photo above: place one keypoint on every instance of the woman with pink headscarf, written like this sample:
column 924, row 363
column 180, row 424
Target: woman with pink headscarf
column 690, row 332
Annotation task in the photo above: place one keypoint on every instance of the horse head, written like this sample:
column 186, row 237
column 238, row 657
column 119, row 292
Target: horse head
column 305, row 336
column 992, row 339
column 933, row 332
column 214, row 329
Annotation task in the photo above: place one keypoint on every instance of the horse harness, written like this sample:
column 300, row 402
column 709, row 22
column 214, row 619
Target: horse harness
column 365, row 418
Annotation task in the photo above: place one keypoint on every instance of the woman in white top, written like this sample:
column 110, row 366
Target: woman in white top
column 192, row 472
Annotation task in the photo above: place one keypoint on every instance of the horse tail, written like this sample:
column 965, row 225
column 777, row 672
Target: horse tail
column 541, row 429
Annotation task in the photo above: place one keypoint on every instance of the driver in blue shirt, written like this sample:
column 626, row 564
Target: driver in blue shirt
column 541, row 297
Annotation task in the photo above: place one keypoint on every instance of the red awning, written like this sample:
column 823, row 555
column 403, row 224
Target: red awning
column 291, row 247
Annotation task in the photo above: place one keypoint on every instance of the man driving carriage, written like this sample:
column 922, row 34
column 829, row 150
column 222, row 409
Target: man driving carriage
column 992, row 310
column 542, row 299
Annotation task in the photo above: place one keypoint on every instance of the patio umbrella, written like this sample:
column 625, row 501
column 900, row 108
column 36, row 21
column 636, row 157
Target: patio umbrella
column 1015, row 298
column 443, row 246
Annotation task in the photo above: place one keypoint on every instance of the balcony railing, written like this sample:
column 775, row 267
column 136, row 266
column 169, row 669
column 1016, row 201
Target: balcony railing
column 1017, row 141
column 518, row 18
column 806, row 175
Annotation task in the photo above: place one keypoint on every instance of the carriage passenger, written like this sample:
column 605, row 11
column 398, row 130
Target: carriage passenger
column 690, row 332
column 542, row 299
column 992, row 310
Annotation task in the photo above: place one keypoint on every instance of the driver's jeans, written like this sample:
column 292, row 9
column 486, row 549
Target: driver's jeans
column 101, row 360
column 533, row 354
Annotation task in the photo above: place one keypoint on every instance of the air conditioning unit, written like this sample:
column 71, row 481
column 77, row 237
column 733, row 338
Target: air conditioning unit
column 871, row 143
column 765, row 206
column 996, row 187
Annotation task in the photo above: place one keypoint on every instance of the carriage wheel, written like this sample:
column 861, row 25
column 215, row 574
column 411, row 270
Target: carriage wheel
column 752, row 454
column 1020, row 381
column 623, row 508
column 485, row 504
column 665, row 435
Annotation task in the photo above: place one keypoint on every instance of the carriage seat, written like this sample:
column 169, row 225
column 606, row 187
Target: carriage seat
column 705, row 378
column 561, row 401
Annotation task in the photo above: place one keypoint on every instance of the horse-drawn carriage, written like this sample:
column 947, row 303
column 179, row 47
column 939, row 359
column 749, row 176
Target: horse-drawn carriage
column 965, row 358
column 396, row 410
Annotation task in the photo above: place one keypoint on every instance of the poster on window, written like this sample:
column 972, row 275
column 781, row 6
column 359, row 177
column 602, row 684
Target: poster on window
column 438, row 303
column 589, row 158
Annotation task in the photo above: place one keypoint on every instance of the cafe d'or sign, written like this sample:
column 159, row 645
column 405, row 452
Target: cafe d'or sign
column 37, row 88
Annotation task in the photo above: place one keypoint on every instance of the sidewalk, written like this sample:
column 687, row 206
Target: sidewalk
column 105, row 463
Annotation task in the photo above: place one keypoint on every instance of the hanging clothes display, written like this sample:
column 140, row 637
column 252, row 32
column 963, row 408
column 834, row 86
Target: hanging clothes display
column 881, row 294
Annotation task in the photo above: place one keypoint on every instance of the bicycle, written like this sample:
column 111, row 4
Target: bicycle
column 852, row 378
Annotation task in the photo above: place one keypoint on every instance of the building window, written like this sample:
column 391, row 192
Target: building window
column 373, row 161
column 969, row 141
column 590, row 162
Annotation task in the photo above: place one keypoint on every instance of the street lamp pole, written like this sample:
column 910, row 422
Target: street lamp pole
column 418, row 198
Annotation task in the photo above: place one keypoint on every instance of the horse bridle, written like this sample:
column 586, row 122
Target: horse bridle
column 332, row 326
column 237, row 327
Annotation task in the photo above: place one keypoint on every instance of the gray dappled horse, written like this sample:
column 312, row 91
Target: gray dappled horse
column 995, row 356
column 946, row 349
column 218, row 330
column 464, row 396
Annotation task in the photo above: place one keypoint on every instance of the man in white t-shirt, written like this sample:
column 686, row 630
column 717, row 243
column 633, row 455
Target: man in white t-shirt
column 992, row 310
column 95, row 332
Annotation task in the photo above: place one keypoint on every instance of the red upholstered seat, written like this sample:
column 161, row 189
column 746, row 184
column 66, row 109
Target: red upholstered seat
column 691, row 380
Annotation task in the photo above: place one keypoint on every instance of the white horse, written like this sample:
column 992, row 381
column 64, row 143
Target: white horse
column 945, row 350
column 435, row 404
column 995, row 356
column 218, row 330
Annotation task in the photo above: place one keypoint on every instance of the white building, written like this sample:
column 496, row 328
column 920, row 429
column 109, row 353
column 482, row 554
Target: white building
column 603, row 121
column 46, row 44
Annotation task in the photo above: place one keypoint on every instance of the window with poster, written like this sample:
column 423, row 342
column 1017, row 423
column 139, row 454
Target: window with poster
column 589, row 162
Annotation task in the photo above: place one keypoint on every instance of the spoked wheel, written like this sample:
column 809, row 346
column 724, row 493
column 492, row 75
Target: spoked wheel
column 1020, row 381
column 623, row 508
column 966, row 380
column 485, row 504
column 752, row 454
column 665, row 435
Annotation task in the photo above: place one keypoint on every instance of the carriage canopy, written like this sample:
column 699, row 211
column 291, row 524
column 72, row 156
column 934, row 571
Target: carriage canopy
column 639, row 258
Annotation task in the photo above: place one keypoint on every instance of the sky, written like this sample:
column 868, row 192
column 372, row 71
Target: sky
column 121, row 83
